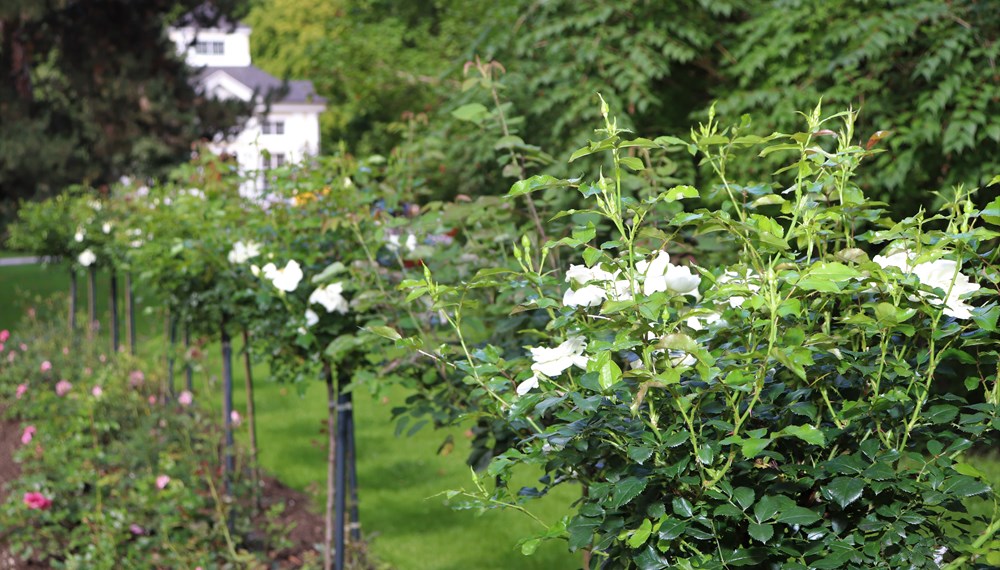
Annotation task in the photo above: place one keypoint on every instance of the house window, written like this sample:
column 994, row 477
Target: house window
column 277, row 160
column 209, row 48
column 273, row 127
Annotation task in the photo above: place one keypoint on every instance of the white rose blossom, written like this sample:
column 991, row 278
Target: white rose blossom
column 311, row 318
column 243, row 252
column 87, row 258
column 331, row 297
column 944, row 274
column 735, row 278
column 551, row 362
column 287, row 278
column 79, row 235
column 106, row 228
column 393, row 242
column 598, row 285
column 661, row 275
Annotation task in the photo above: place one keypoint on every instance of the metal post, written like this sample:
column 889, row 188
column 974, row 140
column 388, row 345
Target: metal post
column 331, row 437
column 72, row 301
column 352, row 472
column 171, row 348
column 340, row 499
column 227, row 407
column 91, row 301
column 130, row 312
column 113, row 305
column 251, row 418
column 188, row 371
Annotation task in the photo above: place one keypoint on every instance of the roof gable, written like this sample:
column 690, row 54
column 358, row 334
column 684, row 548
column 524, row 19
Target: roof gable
column 254, row 80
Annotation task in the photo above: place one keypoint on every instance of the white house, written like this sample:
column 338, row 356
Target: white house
column 288, row 131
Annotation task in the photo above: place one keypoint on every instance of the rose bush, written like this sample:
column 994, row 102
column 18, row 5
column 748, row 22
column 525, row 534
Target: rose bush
column 787, row 402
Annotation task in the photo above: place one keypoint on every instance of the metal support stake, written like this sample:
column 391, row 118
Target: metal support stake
column 188, row 371
column 113, row 305
column 171, row 346
column 91, row 301
column 227, row 406
column 72, row 301
column 352, row 472
column 340, row 500
column 130, row 313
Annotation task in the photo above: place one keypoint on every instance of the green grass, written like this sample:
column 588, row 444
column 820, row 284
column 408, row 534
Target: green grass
column 406, row 524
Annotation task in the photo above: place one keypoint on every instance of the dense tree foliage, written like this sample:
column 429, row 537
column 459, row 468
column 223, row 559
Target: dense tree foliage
column 93, row 90
column 926, row 71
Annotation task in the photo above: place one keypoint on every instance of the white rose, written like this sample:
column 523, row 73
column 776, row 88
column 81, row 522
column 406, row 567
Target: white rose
column 87, row 258
column 286, row 279
column 331, row 297
column 553, row 361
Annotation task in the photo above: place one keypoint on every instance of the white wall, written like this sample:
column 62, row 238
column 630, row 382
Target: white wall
column 236, row 46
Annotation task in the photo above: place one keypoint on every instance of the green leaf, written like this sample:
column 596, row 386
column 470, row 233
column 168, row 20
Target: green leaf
column 752, row 447
column 626, row 490
column 991, row 213
column 632, row 163
column 535, row 183
column 639, row 453
column 744, row 497
column 807, row 433
column 761, row 532
column 798, row 515
column 844, row 490
column 384, row 332
column 671, row 528
column 827, row 276
column 529, row 546
column 472, row 112
column 766, row 508
column 680, row 192
column 641, row 534
column 683, row 507
column 986, row 317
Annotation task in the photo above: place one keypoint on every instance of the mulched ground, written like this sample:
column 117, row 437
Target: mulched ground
column 306, row 527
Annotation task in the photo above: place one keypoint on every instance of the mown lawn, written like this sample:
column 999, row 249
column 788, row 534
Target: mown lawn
column 407, row 525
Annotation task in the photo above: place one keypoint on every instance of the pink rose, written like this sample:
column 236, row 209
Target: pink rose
column 235, row 417
column 136, row 529
column 29, row 432
column 136, row 378
column 162, row 481
column 185, row 398
column 4, row 335
column 46, row 366
column 23, row 347
column 11, row 356
column 37, row 501
column 63, row 387
column 21, row 389
column 65, row 351
column 152, row 400
column 1, row 347
column 102, row 358
column 97, row 391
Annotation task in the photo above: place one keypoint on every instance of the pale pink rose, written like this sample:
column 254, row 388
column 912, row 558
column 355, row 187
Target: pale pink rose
column 152, row 400
column 97, row 391
column 136, row 529
column 37, row 501
column 29, row 433
column 4, row 335
column 136, row 378
column 102, row 358
column 65, row 351
column 236, row 418
column 23, row 347
column 185, row 398
column 162, row 481
column 63, row 387
column 21, row 389
column 11, row 356
column 46, row 366
column 88, row 371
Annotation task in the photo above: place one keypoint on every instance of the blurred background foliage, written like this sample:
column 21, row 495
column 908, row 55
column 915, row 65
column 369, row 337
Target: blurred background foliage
column 85, row 105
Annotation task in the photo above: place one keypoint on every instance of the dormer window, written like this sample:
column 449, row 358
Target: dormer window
column 273, row 128
column 209, row 48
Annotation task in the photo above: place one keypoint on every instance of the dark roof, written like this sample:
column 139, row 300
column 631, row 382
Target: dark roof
column 264, row 83
column 207, row 16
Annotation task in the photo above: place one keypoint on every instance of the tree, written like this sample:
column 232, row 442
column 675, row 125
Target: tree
column 96, row 91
